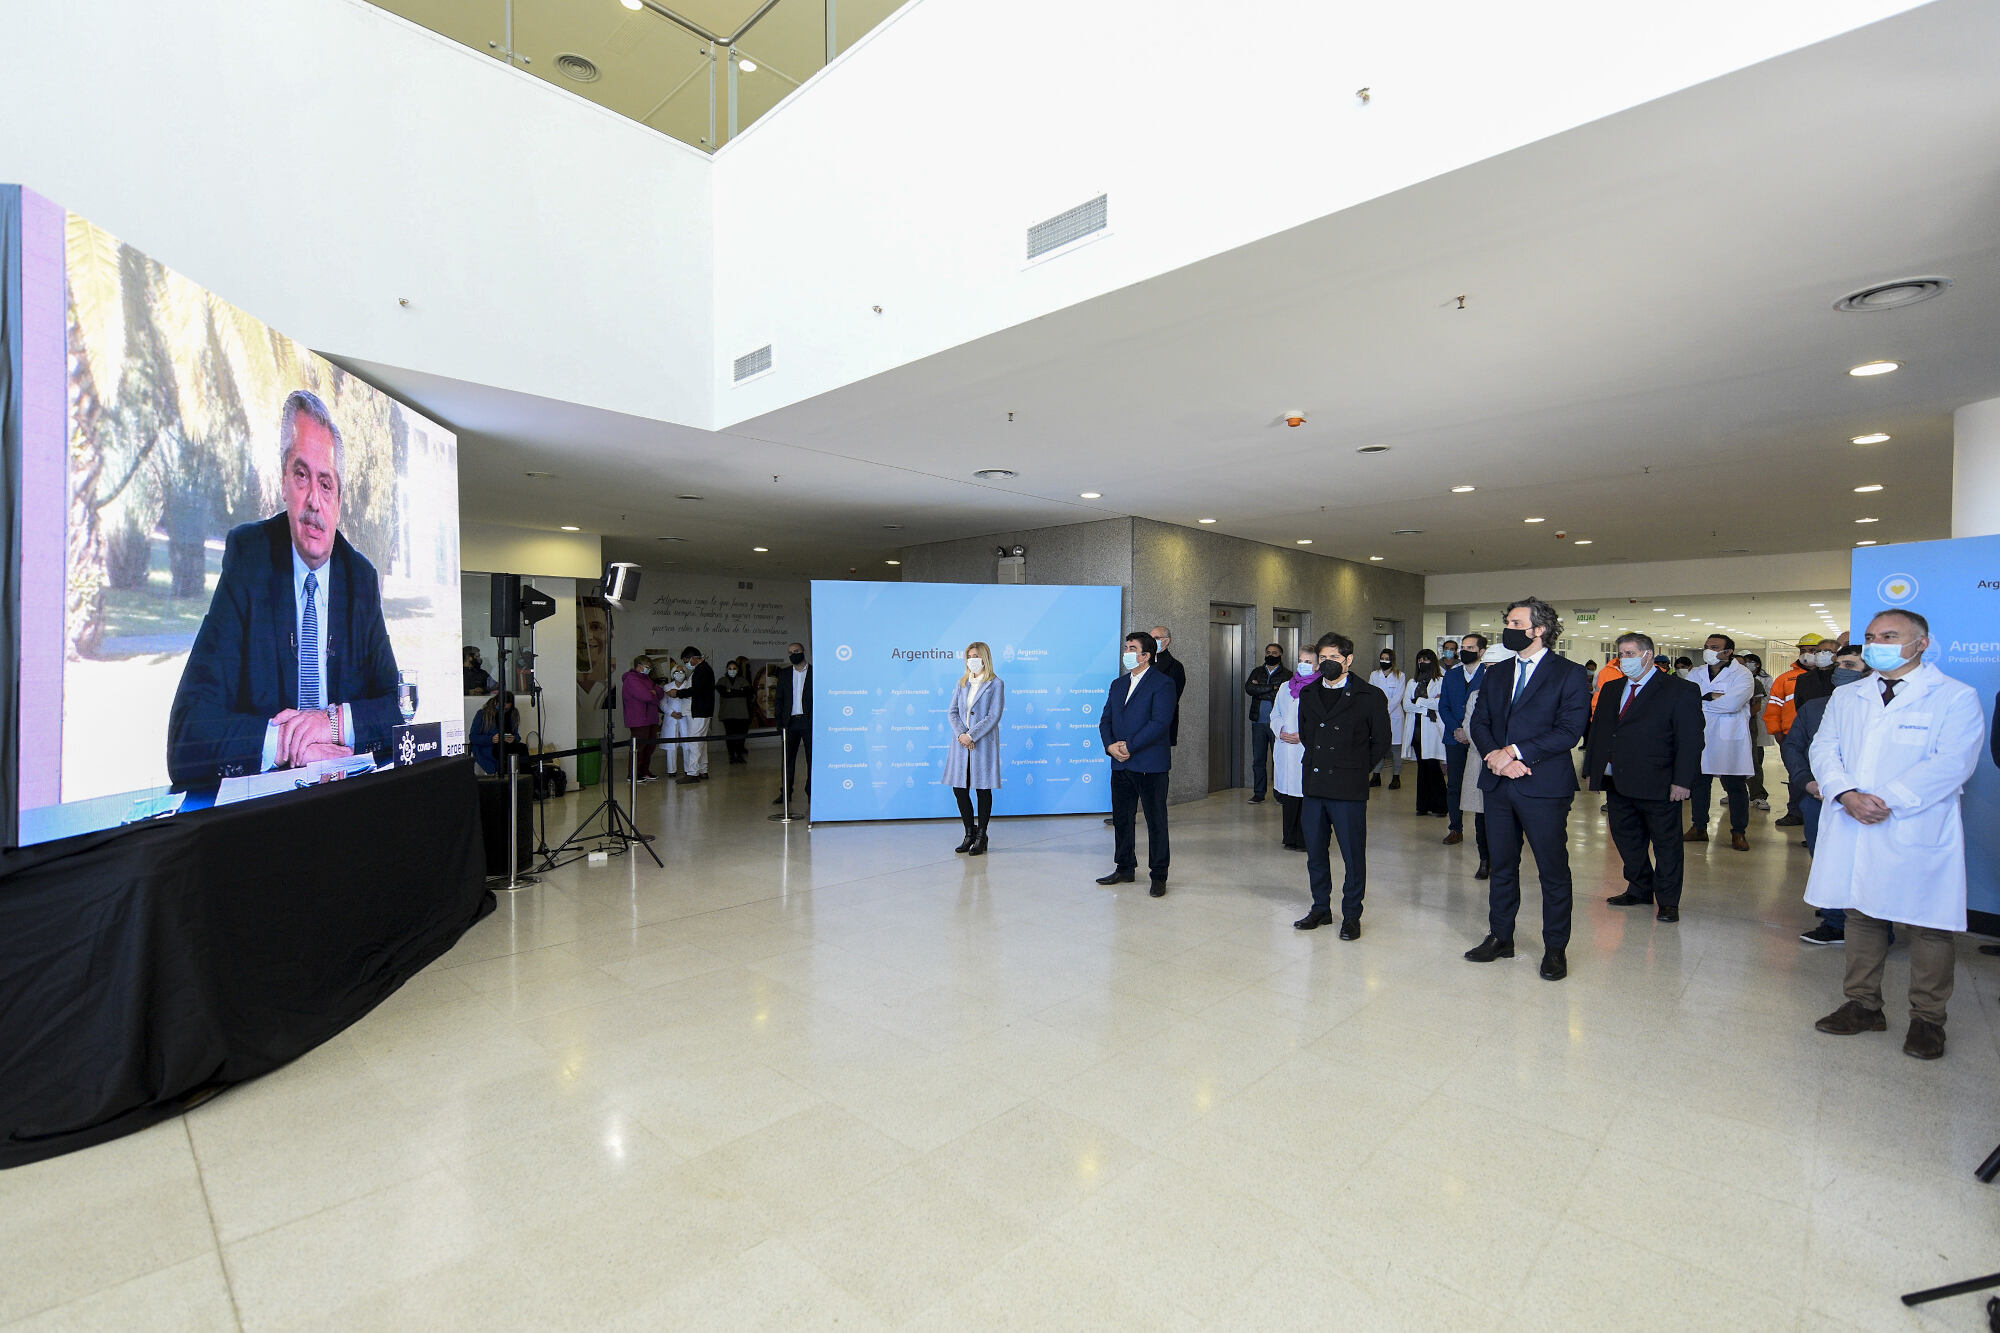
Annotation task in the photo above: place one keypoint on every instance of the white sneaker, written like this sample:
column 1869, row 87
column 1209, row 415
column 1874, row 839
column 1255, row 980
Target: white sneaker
column 1760, row 805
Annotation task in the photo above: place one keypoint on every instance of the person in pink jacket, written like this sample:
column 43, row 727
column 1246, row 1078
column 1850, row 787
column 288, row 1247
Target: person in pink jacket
column 641, row 694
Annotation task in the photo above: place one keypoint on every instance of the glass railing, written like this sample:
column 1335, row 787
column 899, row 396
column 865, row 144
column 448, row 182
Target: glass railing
column 700, row 70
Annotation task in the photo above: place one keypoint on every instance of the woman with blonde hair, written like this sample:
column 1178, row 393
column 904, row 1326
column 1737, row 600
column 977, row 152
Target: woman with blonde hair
column 974, row 760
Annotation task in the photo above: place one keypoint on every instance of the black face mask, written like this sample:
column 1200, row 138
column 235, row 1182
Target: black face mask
column 1332, row 669
column 798, row 659
column 1270, row 661
column 1469, row 656
column 1515, row 640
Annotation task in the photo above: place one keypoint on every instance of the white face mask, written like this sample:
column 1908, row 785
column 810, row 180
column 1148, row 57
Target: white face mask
column 974, row 665
column 1711, row 657
column 1822, row 660
column 732, row 671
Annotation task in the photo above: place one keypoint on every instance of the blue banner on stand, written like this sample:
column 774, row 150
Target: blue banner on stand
column 1956, row 586
column 887, row 658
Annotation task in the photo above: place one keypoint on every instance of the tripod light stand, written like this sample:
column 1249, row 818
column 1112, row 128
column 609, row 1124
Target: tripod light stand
column 620, row 588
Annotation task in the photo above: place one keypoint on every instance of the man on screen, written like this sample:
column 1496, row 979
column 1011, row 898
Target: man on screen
column 292, row 663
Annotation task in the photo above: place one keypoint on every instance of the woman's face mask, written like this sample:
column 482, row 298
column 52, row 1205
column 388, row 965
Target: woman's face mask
column 974, row 665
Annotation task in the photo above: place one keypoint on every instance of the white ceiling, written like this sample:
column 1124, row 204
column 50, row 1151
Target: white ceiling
column 1647, row 358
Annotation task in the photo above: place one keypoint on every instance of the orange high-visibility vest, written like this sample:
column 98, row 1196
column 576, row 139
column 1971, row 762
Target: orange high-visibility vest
column 1779, row 711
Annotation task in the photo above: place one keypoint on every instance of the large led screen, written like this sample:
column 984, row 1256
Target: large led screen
column 239, row 561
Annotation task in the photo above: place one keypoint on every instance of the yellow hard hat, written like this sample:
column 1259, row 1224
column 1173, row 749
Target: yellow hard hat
column 1807, row 640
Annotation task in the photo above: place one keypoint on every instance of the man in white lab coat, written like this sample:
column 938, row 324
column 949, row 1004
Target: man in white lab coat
column 1892, row 755
column 1726, row 688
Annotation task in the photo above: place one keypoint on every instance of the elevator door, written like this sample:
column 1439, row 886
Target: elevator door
column 1228, row 667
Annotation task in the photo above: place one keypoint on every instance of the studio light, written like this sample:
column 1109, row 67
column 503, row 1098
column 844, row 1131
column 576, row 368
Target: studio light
column 621, row 583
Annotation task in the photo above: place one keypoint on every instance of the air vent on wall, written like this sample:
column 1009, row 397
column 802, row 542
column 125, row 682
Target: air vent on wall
column 1064, row 228
column 753, row 363
column 573, row 66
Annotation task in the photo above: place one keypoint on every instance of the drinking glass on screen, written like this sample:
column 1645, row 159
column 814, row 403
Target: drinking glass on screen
column 406, row 695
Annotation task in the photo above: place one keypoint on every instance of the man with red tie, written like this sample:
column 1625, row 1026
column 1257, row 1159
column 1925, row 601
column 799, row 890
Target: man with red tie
column 1645, row 756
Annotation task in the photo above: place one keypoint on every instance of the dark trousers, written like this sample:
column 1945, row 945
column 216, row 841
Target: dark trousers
column 1758, row 791
column 645, row 740
column 1648, row 837
column 1735, row 790
column 1347, row 821
column 1795, row 796
column 1294, row 830
column 1479, row 836
column 1129, row 791
column 965, row 806
column 736, row 728
column 1260, row 755
column 798, row 749
column 1809, row 810
column 1454, row 781
column 1431, row 798
column 1543, row 823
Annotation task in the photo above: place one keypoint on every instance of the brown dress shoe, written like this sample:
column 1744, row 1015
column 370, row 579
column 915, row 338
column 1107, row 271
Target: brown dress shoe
column 1739, row 842
column 1926, row 1039
column 1695, row 835
column 1851, row 1018
column 1453, row 838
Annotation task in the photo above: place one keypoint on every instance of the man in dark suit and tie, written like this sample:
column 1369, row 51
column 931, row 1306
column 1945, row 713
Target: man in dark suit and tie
column 1532, row 710
column 1137, row 726
column 1645, row 756
column 292, row 663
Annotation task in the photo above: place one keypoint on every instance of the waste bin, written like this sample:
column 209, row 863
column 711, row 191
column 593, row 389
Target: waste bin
column 589, row 763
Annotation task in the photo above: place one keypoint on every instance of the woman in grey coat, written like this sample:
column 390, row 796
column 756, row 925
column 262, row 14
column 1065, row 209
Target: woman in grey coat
column 973, row 762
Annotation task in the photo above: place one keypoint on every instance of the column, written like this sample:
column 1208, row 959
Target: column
column 1975, row 471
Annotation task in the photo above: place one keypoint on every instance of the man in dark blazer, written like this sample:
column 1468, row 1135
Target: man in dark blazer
column 1344, row 726
column 1532, row 709
column 1265, row 680
column 795, row 719
column 292, row 662
column 1645, row 756
column 1136, row 725
column 1170, row 666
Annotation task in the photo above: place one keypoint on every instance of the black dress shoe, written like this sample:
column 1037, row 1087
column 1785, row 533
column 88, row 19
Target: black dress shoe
column 1628, row 899
column 1350, row 929
column 1667, row 914
column 1485, row 870
column 1117, row 877
column 1375, row 780
column 1256, row 800
column 1158, row 888
column 1488, row 949
column 1313, row 920
column 1554, row 966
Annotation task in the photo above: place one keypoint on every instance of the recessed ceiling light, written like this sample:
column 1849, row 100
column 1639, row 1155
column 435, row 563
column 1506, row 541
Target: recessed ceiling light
column 634, row 5
column 1815, row 603
column 761, row 550
column 1867, row 490
column 1659, row 608
column 892, row 562
column 1462, row 490
column 539, row 476
column 1204, row 520
column 1090, row 495
column 1303, row 541
column 1867, row 368
column 1373, row 449
column 1584, row 541
column 1874, row 437
column 1407, row 532
column 1867, row 520
column 571, row 527
column 1890, row 295
column 1680, row 615
column 994, row 473
column 1867, row 543
column 1374, row 557
column 1534, row 520
column 747, row 65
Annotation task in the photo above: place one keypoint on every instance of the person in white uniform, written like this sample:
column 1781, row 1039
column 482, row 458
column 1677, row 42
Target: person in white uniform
column 1892, row 755
column 1395, row 685
column 1289, row 751
column 1726, row 689
column 678, row 720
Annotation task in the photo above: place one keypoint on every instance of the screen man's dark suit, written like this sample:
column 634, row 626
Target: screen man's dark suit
column 244, row 666
column 1649, row 748
column 1145, row 723
column 1545, row 724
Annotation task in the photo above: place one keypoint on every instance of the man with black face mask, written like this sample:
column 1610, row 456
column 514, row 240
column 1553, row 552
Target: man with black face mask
column 1344, row 726
column 1531, row 712
column 795, row 719
column 1262, row 687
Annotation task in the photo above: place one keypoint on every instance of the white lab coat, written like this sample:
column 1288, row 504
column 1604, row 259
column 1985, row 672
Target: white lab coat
column 1471, row 800
column 1916, row 755
column 1290, row 756
column 1392, row 684
column 1420, row 710
column 1726, row 743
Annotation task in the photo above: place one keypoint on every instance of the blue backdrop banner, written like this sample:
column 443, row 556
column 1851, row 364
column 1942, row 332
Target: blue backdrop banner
column 1956, row 586
column 886, row 659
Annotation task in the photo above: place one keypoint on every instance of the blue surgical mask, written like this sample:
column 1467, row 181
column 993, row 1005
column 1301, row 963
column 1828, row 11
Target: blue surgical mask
column 1847, row 676
column 1634, row 667
column 1883, row 656
column 1131, row 661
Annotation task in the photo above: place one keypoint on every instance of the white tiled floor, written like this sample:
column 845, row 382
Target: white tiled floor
column 843, row 1077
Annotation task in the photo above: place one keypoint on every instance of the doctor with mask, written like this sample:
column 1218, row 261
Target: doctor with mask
column 1727, row 688
column 1290, row 750
column 1891, row 758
